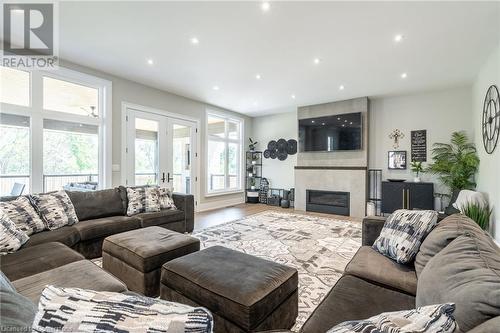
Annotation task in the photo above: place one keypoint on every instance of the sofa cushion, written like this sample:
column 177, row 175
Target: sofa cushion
column 11, row 237
column 106, row 226
column 148, row 249
column 36, row 259
column 403, row 232
column 445, row 231
column 55, row 208
column 353, row 298
column 370, row 265
column 426, row 319
column 467, row 273
column 16, row 311
column 78, row 274
column 165, row 197
column 79, row 310
column 67, row 235
column 162, row 217
column 97, row 204
column 143, row 199
column 22, row 213
column 234, row 285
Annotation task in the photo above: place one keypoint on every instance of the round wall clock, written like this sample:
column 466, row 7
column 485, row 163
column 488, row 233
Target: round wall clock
column 491, row 119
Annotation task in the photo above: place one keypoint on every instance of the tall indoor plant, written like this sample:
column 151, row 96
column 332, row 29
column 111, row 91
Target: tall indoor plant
column 456, row 163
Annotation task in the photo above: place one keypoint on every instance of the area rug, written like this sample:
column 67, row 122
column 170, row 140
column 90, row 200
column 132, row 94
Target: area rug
column 318, row 247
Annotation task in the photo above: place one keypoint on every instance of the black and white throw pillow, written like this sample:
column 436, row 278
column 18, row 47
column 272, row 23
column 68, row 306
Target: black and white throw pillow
column 142, row 199
column 426, row 319
column 55, row 208
column 22, row 213
column 11, row 238
column 79, row 310
column 166, row 201
column 403, row 233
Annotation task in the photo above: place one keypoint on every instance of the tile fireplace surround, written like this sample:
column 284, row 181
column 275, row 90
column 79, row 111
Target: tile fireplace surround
column 339, row 171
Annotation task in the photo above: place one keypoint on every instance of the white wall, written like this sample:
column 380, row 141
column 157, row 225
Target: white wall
column 438, row 112
column 266, row 128
column 489, row 169
column 133, row 92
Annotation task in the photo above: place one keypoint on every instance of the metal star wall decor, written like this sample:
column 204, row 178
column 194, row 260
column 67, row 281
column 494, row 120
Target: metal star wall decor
column 396, row 135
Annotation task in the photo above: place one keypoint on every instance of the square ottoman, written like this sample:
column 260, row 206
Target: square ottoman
column 243, row 292
column 136, row 256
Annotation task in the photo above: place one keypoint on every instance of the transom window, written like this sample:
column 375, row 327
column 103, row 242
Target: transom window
column 55, row 131
column 224, row 148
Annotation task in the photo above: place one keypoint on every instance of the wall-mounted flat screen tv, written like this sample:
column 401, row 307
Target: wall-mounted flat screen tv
column 332, row 133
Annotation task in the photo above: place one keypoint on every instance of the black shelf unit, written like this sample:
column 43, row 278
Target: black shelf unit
column 253, row 175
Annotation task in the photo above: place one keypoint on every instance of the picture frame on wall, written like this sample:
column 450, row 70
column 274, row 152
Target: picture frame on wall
column 396, row 160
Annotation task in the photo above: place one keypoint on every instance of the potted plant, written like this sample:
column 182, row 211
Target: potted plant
column 456, row 164
column 417, row 168
column 252, row 183
column 480, row 214
column 252, row 145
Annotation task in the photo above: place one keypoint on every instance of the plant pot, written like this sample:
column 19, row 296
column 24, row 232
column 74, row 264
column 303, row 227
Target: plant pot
column 252, row 187
column 416, row 180
column 450, row 210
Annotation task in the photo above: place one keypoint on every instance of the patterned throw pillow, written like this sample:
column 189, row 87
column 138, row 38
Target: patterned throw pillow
column 142, row 199
column 55, row 208
column 431, row 319
column 403, row 232
column 166, row 201
column 22, row 213
column 11, row 238
column 78, row 310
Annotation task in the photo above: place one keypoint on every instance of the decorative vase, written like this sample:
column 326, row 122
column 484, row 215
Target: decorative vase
column 416, row 179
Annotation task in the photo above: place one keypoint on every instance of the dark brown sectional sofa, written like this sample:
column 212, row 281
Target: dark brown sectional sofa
column 457, row 262
column 50, row 257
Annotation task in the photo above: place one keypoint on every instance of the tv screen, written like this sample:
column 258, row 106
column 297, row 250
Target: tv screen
column 332, row 133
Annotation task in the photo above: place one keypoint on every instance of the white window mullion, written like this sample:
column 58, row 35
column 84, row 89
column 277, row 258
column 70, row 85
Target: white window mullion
column 36, row 133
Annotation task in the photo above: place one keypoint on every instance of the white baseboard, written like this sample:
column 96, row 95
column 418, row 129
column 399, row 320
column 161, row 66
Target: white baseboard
column 215, row 204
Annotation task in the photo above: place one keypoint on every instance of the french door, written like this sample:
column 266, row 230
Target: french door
column 160, row 151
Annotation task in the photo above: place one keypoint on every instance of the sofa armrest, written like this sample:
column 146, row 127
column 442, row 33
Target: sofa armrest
column 372, row 226
column 185, row 202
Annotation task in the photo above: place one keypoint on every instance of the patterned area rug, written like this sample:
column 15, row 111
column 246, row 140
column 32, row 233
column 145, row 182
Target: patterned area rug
column 319, row 248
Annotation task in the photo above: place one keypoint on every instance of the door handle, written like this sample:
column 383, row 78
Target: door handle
column 163, row 177
column 168, row 178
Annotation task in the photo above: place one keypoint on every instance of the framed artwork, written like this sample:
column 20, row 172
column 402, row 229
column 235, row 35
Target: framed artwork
column 396, row 160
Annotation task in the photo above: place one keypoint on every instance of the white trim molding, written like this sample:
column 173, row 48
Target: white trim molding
column 216, row 204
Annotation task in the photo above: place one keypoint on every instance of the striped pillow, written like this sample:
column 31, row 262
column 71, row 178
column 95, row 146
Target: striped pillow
column 22, row 213
column 11, row 238
column 430, row 319
column 143, row 199
column 79, row 310
column 55, row 208
column 403, row 233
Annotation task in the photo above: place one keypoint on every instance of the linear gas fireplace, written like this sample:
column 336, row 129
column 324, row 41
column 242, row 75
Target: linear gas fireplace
column 331, row 202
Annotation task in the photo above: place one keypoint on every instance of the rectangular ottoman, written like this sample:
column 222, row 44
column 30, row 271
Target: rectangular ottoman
column 136, row 256
column 243, row 292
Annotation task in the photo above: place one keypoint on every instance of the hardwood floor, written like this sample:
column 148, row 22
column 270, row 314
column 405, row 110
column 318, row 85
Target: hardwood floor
column 210, row 218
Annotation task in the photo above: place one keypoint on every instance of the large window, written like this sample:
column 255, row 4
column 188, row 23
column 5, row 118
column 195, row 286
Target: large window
column 54, row 130
column 224, row 147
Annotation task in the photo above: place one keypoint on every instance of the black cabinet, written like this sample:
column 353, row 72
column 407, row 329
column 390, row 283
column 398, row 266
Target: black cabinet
column 406, row 195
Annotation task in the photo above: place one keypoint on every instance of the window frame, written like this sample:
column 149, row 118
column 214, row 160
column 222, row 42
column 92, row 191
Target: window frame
column 226, row 140
column 37, row 114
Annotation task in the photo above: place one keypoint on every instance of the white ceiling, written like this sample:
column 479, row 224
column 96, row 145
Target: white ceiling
column 445, row 43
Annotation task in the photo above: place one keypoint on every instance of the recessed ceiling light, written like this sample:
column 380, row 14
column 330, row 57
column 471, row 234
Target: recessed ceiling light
column 215, row 88
column 323, row 124
column 195, row 41
column 338, row 118
column 293, row 96
column 341, row 87
column 404, row 75
column 312, row 121
column 265, row 6
column 258, row 76
column 345, row 121
column 317, row 61
column 150, row 61
column 350, row 123
column 343, row 125
column 398, row 38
